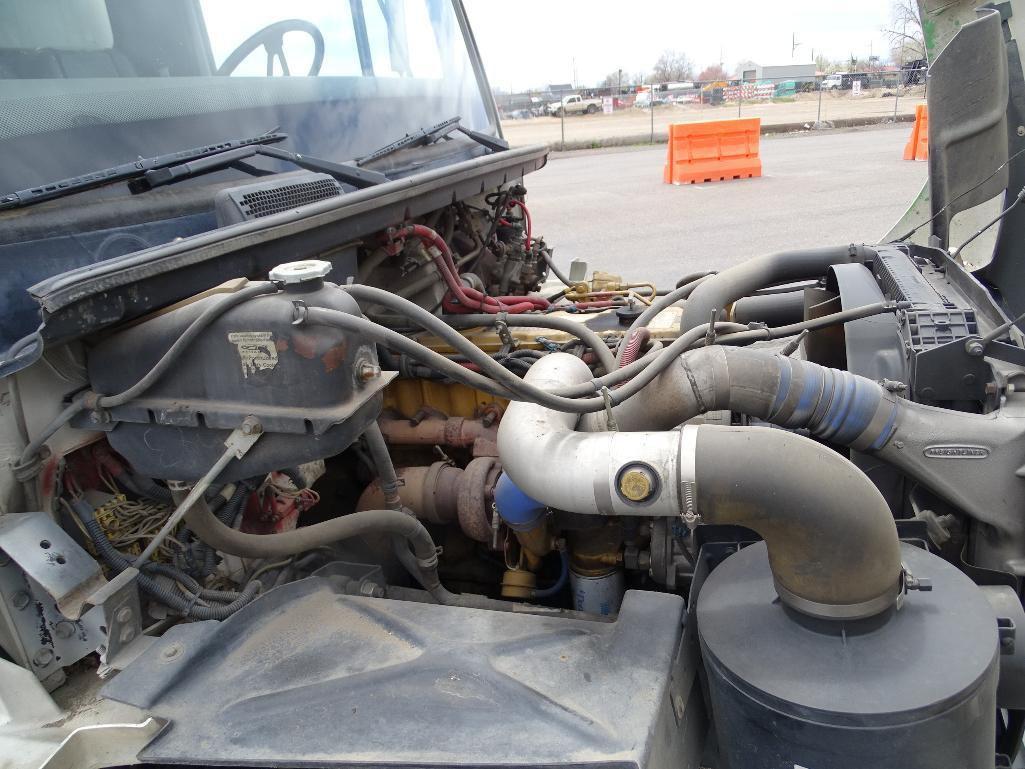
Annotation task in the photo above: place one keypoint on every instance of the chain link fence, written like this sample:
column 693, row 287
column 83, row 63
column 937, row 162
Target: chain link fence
column 569, row 118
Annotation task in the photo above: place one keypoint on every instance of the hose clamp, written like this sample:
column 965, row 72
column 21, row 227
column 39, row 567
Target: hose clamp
column 502, row 327
column 843, row 611
column 610, row 419
column 429, row 564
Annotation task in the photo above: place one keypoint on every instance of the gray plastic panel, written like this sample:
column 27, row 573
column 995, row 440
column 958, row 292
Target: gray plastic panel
column 307, row 676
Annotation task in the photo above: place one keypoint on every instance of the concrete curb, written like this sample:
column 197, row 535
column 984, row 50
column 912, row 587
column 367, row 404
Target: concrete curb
column 776, row 128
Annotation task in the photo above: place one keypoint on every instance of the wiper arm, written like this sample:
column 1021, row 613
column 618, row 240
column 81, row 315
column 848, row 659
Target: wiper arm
column 127, row 171
column 343, row 172
column 425, row 136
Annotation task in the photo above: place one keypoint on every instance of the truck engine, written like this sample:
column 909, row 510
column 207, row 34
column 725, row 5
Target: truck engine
column 391, row 489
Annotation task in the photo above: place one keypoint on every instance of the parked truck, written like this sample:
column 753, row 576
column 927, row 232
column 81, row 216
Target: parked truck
column 574, row 105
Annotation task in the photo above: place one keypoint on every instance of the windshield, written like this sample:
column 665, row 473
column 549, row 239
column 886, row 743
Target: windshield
column 88, row 84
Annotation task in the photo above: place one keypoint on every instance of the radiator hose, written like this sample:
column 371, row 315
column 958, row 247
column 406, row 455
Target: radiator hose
column 832, row 542
column 724, row 288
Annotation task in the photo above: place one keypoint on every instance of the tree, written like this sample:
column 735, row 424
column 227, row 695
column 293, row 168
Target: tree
column 823, row 64
column 713, row 72
column 672, row 66
column 906, row 34
column 615, row 79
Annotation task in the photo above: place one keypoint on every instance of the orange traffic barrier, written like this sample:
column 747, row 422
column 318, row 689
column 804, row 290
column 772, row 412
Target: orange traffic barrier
column 713, row 151
column 917, row 147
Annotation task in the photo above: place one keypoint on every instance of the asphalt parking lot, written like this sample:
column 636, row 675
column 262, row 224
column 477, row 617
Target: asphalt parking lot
column 610, row 208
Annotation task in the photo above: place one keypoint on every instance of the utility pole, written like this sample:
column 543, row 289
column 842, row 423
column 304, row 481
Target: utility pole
column 793, row 44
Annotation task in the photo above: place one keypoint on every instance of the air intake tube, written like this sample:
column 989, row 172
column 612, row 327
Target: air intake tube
column 834, row 405
column 738, row 281
column 831, row 539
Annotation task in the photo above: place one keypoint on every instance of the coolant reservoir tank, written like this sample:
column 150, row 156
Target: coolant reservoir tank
column 314, row 389
column 914, row 688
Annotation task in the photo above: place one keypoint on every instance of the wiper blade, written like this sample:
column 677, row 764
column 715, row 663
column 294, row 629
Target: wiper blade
column 425, row 136
column 233, row 158
column 127, row 171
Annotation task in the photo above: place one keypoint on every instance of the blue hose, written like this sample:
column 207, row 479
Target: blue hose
column 560, row 583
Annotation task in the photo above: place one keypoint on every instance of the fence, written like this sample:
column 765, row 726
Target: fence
column 565, row 117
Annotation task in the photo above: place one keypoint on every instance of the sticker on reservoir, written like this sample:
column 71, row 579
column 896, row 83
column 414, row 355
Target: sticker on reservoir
column 256, row 349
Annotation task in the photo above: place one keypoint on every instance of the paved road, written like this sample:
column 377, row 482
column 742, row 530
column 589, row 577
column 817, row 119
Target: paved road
column 610, row 207
column 637, row 122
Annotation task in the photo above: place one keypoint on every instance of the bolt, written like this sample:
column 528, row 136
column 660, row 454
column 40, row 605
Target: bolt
column 968, row 380
column 123, row 614
column 127, row 634
column 1021, row 130
column 43, row 657
column 172, row 651
column 21, row 599
column 974, row 347
column 251, row 427
column 371, row 590
column 1007, row 641
column 366, row 370
column 898, row 444
column 64, row 629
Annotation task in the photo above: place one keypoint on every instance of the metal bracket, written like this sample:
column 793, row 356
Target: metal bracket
column 104, row 745
column 118, row 600
column 1006, row 632
column 48, row 555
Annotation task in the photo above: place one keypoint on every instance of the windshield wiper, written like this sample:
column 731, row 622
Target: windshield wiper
column 127, row 171
column 425, row 136
column 233, row 158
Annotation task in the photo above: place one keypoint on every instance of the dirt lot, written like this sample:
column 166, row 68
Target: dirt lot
column 635, row 122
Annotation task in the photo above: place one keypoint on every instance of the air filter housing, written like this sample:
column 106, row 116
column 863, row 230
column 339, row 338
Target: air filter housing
column 314, row 389
column 914, row 688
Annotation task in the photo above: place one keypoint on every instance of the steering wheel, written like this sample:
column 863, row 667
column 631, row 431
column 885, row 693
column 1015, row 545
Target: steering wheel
column 271, row 38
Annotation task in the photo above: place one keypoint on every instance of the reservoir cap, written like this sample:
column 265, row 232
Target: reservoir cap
column 292, row 273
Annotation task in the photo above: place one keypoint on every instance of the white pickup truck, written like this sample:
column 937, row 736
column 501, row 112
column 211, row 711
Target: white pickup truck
column 574, row 105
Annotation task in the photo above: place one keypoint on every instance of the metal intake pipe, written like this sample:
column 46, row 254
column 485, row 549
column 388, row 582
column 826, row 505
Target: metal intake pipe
column 831, row 538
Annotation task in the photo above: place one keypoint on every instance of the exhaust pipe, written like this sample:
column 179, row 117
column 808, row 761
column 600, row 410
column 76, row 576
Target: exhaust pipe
column 832, row 542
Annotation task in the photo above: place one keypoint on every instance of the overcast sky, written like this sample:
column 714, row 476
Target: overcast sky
column 533, row 43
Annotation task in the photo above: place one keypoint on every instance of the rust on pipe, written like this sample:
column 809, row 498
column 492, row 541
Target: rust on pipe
column 457, row 432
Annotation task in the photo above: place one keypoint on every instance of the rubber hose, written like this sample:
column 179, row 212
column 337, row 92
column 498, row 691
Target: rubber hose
column 771, row 309
column 381, row 458
column 233, row 542
column 576, row 328
column 560, row 583
column 721, row 290
column 633, row 345
column 444, row 327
